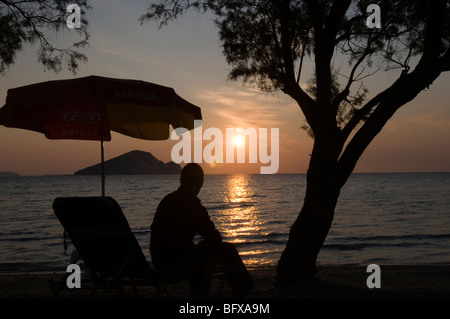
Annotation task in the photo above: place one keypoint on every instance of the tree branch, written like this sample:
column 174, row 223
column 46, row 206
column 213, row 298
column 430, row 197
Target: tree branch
column 334, row 19
column 346, row 91
column 32, row 17
column 286, row 43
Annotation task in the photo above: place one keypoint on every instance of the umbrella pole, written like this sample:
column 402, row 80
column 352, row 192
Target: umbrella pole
column 103, row 167
column 102, row 150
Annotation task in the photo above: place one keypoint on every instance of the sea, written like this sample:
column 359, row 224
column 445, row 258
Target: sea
column 381, row 218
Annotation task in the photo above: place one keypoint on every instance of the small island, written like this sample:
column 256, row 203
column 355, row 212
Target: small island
column 132, row 163
column 8, row 174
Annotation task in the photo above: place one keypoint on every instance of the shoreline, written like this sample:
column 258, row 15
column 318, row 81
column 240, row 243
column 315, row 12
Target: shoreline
column 331, row 282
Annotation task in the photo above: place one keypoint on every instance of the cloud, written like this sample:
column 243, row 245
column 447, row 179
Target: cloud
column 244, row 107
column 427, row 123
column 438, row 119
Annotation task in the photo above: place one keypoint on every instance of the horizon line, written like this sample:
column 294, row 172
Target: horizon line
column 285, row 173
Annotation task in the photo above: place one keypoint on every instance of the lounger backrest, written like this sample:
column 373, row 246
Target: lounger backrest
column 100, row 232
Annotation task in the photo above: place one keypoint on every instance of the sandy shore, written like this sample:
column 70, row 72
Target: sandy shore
column 397, row 282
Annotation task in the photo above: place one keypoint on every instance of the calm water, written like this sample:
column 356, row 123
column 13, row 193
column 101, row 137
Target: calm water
column 380, row 218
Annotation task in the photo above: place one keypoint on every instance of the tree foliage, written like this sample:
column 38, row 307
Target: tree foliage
column 33, row 22
column 267, row 41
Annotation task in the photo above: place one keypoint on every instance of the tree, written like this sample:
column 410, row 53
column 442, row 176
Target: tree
column 30, row 22
column 266, row 42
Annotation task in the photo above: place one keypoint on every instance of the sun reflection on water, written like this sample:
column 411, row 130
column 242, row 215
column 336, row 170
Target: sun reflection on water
column 239, row 221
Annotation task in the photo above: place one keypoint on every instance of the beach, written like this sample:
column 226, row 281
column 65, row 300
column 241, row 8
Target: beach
column 331, row 282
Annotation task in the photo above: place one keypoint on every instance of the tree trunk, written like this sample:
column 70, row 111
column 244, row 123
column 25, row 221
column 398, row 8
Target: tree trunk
column 307, row 235
column 309, row 231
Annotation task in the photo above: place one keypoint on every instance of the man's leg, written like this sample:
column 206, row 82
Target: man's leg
column 203, row 261
column 237, row 274
column 226, row 255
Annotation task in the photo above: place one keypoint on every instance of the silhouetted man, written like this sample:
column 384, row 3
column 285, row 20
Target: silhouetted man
column 178, row 218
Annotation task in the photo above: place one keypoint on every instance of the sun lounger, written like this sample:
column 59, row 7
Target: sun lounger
column 104, row 241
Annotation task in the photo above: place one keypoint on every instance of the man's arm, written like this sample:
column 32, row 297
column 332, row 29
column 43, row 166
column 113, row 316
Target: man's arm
column 207, row 229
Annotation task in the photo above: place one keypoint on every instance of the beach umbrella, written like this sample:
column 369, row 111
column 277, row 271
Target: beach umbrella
column 88, row 108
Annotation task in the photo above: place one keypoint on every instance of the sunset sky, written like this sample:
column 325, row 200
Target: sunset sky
column 186, row 55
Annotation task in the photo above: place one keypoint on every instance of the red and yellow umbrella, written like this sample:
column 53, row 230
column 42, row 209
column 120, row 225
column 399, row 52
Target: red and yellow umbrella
column 89, row 108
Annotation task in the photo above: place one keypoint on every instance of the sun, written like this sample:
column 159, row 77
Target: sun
column 238, row 140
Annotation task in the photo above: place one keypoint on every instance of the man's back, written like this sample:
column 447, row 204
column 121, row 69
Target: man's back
column 178, row 218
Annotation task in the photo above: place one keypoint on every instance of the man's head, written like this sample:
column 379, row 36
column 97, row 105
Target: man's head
column 192, row 178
